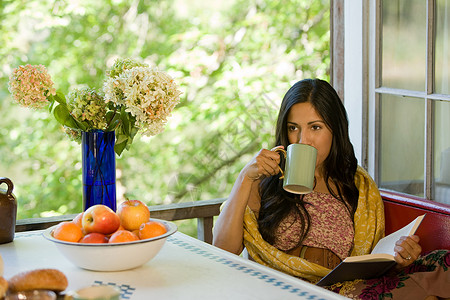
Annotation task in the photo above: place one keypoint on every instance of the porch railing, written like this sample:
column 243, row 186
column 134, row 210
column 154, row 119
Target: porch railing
column 204, row 211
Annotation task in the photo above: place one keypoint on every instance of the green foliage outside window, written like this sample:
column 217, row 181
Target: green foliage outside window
column 233, row 61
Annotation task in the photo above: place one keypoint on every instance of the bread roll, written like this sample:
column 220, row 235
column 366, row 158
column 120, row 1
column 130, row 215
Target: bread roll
column 3, row 287
column 39, row 279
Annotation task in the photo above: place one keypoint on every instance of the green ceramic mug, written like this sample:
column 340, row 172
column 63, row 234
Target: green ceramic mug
column 298, row 174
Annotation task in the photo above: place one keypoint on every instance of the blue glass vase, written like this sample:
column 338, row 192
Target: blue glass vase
column 99, row 168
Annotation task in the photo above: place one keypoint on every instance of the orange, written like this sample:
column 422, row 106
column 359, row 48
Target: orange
column 67, row 231
column 120, row 228
column 123, row 236
column 151, row 229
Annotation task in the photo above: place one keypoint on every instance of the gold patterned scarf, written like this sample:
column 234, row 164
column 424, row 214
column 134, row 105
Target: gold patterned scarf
column 369, row 229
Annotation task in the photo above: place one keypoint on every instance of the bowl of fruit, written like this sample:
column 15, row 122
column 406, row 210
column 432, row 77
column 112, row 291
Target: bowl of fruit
column 95, row 238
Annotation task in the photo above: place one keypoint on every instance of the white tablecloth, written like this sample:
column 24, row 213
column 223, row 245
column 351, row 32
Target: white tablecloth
column 185, row 268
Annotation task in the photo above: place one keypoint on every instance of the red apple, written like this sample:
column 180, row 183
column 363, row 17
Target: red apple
column 100, row 218
column 77, row 220
column 132, row 214
column 94, row 238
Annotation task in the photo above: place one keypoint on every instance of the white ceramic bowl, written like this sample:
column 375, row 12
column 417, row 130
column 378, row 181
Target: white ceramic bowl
column 114, row 256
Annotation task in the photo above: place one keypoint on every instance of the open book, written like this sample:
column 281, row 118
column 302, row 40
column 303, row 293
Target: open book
column 371, row 265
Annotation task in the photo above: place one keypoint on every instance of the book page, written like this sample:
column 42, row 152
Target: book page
column 370, row 257
column 387, row 244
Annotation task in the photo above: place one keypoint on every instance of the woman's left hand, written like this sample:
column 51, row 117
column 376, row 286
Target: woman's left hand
column 407, row 250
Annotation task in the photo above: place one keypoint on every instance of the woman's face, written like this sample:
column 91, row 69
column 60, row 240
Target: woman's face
column 306, row 126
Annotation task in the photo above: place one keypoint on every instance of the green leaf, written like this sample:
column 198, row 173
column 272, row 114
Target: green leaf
column 60, row 97
column 113, row 120
column 118, row 148
column 52, row 104
column 120, row 138
column 63, row 116
column 124, row 121
column 84, row 126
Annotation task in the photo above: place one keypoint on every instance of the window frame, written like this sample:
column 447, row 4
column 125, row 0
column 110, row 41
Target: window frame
column 337, row 46
column 371, row 81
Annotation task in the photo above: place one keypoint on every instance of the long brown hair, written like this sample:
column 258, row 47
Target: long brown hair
column 339, row 167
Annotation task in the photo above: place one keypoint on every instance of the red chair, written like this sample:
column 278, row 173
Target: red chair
column 434, row 232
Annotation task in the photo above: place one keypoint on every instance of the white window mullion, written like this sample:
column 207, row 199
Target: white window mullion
column 429, row 110
column 377, row 103
column 429, row 150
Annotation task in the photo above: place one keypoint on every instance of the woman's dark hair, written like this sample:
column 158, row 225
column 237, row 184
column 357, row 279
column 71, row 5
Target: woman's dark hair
column 339, row 167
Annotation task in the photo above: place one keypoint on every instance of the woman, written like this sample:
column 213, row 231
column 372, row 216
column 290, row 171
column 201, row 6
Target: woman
column 308, row 235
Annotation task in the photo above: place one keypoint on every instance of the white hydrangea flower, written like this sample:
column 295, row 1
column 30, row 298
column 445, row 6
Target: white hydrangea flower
column 148, row 94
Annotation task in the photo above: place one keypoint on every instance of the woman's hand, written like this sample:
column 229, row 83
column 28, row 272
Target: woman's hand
column 263, row 164
column 229, row 226
column 407, row 250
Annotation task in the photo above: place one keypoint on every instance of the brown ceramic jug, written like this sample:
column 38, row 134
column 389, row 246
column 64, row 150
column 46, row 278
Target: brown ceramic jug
column 8, row 212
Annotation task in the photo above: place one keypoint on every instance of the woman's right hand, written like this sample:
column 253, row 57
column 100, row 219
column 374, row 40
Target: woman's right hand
column 229, row 226
column 263, row 164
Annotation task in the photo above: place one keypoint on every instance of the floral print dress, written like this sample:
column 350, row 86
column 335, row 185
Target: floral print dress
column 332, row 228
column 428, row 275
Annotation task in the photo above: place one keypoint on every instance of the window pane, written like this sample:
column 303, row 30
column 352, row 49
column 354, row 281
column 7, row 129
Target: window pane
column 233, row 59
column 404, row 44
column 402, row 144
column 442, row 47
column 442, row 152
